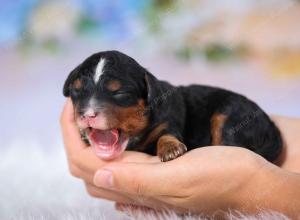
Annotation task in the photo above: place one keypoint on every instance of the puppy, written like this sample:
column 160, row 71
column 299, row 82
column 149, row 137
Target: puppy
column 120, row 105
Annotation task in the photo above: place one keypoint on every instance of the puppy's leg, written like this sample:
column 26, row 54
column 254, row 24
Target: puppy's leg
column 169, row 148
column 250, row 129
column 216, row 128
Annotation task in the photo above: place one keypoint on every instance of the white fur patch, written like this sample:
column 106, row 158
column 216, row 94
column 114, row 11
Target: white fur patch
column 18, row 202
column 99, row 70
column 93, row 103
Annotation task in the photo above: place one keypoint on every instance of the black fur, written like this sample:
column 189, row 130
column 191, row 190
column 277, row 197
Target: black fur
column 187, row 111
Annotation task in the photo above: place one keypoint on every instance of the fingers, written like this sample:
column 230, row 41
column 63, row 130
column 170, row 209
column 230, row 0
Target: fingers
column 137, row 157
column 106, row 194
column 67, row 114
column 124, row 198
column 88, row 162
column 84, row 164
column 152, row 179
column 70, row 131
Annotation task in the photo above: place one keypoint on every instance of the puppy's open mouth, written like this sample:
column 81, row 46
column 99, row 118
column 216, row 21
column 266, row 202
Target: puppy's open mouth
column 107, row 144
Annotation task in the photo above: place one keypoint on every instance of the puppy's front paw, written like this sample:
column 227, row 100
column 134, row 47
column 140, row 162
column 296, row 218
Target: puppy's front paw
column 170, row 148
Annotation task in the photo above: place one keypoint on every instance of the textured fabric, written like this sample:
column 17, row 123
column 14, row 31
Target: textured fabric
column 36, row 185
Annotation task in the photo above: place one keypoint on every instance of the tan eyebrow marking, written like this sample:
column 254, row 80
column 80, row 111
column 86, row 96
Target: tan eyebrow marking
column 114, row 85
column 77, row 84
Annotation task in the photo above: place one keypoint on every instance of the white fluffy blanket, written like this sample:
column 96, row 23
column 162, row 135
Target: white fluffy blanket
column 35, row 185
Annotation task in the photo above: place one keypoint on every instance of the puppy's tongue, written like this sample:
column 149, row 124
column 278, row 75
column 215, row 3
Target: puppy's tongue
column 105, row 139
column 107, row 144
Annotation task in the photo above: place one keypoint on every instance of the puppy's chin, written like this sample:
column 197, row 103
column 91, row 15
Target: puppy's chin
column 107, row 144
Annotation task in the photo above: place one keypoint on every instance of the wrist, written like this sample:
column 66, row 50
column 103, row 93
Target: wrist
column 270, row 189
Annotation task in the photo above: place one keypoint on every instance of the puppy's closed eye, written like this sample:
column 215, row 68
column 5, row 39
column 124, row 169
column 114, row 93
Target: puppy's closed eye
column 125, row 98
column 122, row 95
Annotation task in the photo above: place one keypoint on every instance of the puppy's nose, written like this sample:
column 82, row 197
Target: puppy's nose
column 90, row 114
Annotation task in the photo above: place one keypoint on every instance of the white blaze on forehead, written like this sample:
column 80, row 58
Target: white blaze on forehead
column 99, row 70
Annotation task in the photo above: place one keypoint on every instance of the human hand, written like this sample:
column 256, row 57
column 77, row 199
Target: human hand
column 203, row 180
column 156, row 184
column 82, row 161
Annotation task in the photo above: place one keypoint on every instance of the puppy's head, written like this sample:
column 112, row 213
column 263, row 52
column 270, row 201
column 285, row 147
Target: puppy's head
column 110, row 93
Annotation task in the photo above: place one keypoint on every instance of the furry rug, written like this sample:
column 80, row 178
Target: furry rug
column 35, row 185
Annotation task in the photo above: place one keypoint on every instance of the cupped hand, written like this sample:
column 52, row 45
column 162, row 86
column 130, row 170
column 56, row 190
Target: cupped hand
column 213, row 174
column 203, row 180
column 82, row 161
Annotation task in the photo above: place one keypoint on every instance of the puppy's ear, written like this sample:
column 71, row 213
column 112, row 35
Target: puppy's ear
column 152, row 86
column 71, row 78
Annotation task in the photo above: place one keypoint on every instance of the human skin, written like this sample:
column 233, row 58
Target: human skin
column 204, row 180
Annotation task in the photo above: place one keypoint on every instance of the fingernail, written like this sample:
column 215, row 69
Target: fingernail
column 103, row 178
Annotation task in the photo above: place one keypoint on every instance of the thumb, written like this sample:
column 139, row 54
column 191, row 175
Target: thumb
column 151, row 179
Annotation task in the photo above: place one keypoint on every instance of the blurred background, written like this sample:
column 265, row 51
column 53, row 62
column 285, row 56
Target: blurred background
column 251, row 47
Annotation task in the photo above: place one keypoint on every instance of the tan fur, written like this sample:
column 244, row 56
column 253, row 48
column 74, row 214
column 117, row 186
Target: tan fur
column 169, row 148
column 129, row 119
column 217, row 124
column 153, row 136
column 114, row 85
column 77, row 84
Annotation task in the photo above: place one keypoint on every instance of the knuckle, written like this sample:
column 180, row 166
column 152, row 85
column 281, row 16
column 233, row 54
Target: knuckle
column 138, row 186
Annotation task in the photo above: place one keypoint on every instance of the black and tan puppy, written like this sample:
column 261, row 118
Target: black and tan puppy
column 120, row 105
